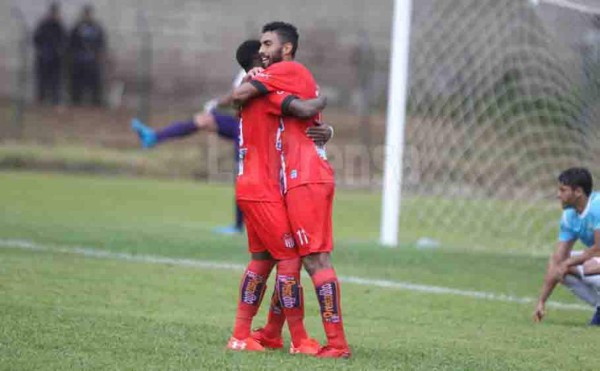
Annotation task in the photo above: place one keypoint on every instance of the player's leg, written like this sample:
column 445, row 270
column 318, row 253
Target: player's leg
column 581, row 289
column 150, row 137
column 276, row 234
column 584, row 282
column 270, row 335
column 310, row 207
column 252, row 288
column 226, row 127
column 591, row 271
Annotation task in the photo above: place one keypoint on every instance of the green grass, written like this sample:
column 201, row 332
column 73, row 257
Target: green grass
column 66, row 311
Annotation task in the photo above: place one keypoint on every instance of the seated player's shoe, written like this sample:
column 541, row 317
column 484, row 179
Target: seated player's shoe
column 228, row 230
column 307, row 346
column 246, row 345
column 331, row 352
column 596, row 318
column 145, row 133
column 267, row 342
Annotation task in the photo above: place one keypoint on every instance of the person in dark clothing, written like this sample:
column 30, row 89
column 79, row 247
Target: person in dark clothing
column 87, row 44
column 49, row 40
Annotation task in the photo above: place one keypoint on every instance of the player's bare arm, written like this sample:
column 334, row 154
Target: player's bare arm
column 305, row 109
column 581, row 259
column 551, row 279
column 243, row 93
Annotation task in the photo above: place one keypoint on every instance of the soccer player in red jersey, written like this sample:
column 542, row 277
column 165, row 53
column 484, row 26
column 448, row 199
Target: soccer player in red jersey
column 309, row 179
column 270, row 238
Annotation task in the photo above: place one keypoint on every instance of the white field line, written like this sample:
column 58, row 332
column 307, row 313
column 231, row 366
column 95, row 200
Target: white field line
column 154, row 259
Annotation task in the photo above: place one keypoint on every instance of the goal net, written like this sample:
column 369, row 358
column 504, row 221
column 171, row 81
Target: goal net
column 503, row 95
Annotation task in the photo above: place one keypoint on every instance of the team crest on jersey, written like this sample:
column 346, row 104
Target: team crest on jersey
column 294, row 174
column 327, row 294
column 288, row 240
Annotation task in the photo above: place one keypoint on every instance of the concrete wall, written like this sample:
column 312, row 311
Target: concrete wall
column 193, row 41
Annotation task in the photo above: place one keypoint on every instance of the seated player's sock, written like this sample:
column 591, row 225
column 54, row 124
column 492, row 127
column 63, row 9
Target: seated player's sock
column 252, row 289
column 276, row 318
column 177, row 129
column 329, row 297
column 596, row 318
column 291, row 297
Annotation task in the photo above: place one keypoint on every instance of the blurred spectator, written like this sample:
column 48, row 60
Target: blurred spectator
column 49, row 40
column 86, row 46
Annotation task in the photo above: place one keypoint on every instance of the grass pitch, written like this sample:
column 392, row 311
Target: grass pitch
column 61, row 308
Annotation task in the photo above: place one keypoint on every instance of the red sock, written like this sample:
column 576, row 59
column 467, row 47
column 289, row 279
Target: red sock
column 252, row 289
column 329, row 297
column 291, row 297
column 276, row 318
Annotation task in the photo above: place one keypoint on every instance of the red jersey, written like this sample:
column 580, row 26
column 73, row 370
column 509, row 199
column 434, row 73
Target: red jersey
column 303, row 162
column 259, row 167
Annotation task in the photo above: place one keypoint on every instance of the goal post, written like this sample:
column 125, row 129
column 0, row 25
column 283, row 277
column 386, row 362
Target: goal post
column 396, row 116
column 488, row 100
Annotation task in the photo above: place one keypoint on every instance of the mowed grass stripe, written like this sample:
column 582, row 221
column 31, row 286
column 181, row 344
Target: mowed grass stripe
column 153, row 259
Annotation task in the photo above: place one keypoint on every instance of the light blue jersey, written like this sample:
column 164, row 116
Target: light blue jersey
column 575, row 226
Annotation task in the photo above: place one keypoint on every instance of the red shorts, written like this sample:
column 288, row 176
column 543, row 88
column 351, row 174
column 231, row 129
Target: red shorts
column 310, row 209
column 268, row 229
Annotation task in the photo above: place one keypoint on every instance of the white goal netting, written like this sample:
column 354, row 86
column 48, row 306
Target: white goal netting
column 504, row 94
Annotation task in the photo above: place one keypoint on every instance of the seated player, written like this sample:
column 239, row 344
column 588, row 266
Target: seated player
column 578, row 270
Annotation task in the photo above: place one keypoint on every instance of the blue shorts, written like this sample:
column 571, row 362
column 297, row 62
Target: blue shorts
column 228, row 127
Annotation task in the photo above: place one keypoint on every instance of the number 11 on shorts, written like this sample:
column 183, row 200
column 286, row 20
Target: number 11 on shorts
column 302, row 237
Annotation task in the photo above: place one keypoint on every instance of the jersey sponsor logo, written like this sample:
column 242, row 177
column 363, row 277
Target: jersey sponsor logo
column 289, row 291
column 327, row 294
column 288, row 241
column 264, row 75
column 253, row 288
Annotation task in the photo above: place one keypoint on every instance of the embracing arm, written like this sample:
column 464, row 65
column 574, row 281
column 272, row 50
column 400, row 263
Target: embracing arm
column 320, row 133
column 304, row 109
column 249, row 88
column 551, row 278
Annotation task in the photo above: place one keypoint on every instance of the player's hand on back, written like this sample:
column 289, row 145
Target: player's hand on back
column 320, row 133
column 252, row 73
